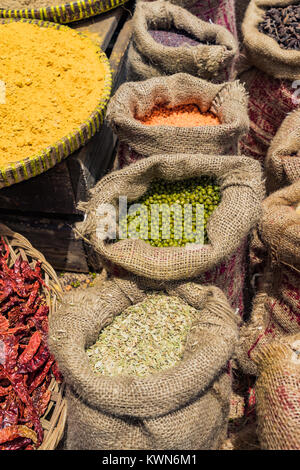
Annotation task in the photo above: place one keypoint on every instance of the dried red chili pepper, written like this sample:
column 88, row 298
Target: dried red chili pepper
column 31, row 348
column 26, row 365
column 18, row 444
column 13, row 432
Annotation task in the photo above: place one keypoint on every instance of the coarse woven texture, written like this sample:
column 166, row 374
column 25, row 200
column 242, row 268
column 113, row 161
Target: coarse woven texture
column 278, row 395
column 57, row 11
column 220, row 12
column 134, row 100
column 54, row 419
column 181, row 3
column 270, row 101
column 274, row 254
column 148, row 58
column 55, row 127
column 184, row 407
column 263, row 51
column 283, row 157
column 241, row 188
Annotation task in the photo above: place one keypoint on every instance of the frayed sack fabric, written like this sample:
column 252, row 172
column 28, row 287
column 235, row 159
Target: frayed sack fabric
column 134, row 100
column 278, row 395
column 283, row 158
column 147, row 58
column 184, row 407
column 275, row 255
column 268, row 80
column 222, row 261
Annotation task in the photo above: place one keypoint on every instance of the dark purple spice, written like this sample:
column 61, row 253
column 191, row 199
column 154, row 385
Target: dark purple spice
column 283, row 25
column 173, row 37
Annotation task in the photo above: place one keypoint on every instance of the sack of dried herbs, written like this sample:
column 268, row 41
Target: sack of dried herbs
column 183, row 406
column 167, row 39
column 135, row 100
column 275, row 255
column 283, row 157
column 277, row 393
column 270, row 77
column 221, row 261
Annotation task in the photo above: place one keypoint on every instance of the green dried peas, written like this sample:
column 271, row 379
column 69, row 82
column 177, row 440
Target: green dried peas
column 186, row 223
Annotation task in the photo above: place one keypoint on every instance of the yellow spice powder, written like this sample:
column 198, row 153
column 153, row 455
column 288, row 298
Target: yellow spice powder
column 53, row 82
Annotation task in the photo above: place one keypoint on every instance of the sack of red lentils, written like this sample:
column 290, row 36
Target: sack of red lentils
column 173, row 393
column 277, row 393
column 276, row 257
column 220, row 261
column 271, row 80
column 167, row 39
column 182, row 105
column 283, row 157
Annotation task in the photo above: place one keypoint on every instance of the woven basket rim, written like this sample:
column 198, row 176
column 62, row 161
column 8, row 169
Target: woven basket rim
column 53, row 12
column 29, row 167
column 57, row 402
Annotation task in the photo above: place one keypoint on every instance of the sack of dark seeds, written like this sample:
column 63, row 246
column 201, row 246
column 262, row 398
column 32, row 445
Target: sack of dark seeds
column 167, row 39
column 162, row 382
column 272, row 79
column 283, row 157
column 276, row 257
column 277, row 393
column 229, row 189
column 134, row 101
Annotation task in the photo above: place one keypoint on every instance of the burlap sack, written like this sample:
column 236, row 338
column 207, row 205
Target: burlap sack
column 136, row 99
column 148, row 58
column 222, row 261
column 278, row 395
column 276, row 255
column 181, row 3
column 185, row 407
column 283, row 158
column 269, row 82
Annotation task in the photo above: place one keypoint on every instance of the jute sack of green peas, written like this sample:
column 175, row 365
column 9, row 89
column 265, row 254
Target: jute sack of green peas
column 193, row 216
column 194, row 46
column 134, row 100
column 180, row 405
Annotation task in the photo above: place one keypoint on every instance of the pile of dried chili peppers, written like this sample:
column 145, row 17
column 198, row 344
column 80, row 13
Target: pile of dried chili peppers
column 26, row 365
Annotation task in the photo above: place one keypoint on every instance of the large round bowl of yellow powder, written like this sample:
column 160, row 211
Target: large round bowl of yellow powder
column 58, row 11
column 54, row 87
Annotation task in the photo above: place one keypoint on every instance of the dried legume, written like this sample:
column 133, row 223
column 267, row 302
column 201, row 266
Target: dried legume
column 187, row 115
column 145, row 339
column 173, row 227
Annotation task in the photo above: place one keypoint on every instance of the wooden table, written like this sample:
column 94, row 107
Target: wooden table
column 44, row 208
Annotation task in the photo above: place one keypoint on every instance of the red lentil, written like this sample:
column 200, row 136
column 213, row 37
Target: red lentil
column 187, row 115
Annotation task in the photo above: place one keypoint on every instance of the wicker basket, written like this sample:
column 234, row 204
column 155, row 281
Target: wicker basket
column 54, row 419
column 66, row 13
column 49, row 157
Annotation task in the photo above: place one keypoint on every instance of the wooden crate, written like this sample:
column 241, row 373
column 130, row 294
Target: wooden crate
column 44, row 208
